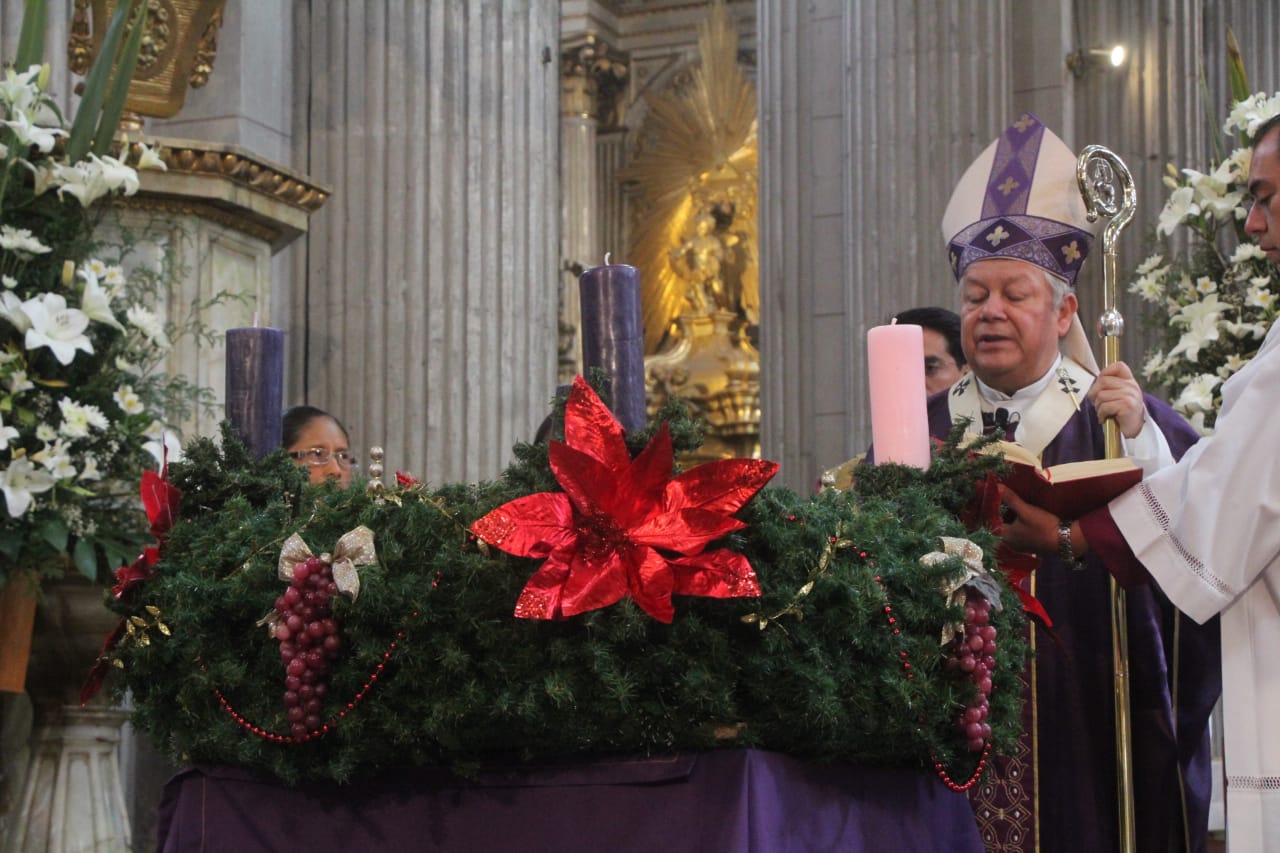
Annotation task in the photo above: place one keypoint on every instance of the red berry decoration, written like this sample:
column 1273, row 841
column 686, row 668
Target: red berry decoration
column 973, row 653
column 309, row 643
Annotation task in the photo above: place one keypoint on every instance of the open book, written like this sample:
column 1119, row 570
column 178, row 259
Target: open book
column 1068, row 490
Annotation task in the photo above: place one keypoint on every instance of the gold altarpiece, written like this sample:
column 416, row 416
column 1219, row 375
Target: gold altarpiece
column 694, row 237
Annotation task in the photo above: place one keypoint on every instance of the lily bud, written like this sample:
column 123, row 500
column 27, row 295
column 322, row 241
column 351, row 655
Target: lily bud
column 68, row 273
column 42, row 79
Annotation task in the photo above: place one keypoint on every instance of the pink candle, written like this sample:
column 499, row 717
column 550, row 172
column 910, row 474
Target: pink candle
column 899, row 422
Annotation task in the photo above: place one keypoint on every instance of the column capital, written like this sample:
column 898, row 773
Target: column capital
column 593, row 80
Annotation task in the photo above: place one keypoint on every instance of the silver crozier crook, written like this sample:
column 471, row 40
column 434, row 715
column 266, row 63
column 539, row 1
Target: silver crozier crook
column 1107, row 188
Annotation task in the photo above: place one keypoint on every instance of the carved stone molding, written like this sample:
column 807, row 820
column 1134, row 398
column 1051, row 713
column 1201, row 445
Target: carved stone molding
column 233, row 187
column 593, row 81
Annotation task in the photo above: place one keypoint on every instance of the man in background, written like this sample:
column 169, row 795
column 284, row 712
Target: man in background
column 944, row 360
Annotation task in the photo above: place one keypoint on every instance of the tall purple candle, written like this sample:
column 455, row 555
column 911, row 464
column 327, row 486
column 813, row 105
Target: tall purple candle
column 255, row 386
column 613, row 337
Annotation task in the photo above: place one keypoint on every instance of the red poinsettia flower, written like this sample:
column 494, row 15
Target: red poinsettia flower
column 405, row 481
column 127, row 577
column 161, row 501
column 625, row 527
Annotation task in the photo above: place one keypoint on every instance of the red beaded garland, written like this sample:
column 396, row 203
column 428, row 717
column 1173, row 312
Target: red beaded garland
column 322, row 730
column 906, row 668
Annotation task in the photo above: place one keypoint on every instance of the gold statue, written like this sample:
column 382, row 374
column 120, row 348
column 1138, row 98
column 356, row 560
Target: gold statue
column 697, row 174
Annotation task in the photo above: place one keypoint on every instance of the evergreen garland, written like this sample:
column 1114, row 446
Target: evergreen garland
column 812, row 668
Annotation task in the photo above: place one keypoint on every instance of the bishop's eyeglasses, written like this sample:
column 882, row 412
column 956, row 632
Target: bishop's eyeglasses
column 320, row 456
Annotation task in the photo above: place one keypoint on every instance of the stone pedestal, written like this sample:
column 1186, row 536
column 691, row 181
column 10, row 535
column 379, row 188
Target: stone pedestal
column 73, row 799
column 71, row 795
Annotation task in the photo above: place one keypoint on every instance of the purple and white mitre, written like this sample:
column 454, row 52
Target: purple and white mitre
column 1020, row 200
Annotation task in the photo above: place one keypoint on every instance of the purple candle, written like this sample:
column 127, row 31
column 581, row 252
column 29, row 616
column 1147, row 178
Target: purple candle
column 255, row 386
column 613, row 337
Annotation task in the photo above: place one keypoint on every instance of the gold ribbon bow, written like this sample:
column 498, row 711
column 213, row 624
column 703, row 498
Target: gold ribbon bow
column 355, row 548
column 974, row 574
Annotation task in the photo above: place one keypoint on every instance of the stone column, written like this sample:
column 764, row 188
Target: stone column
column 425, row 312
column 869, row 112
column 592, row 77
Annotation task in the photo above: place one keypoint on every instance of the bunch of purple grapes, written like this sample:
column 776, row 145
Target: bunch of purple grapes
column 309, row 643
column 974, row 654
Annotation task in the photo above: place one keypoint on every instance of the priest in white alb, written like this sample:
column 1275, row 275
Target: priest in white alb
column 1207, row 531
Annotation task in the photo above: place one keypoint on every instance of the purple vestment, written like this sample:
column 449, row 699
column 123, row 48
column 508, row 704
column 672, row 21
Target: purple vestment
column 1072, row 776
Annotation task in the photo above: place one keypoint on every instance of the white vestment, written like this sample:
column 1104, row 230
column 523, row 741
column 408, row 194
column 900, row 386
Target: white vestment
column 1208, row 531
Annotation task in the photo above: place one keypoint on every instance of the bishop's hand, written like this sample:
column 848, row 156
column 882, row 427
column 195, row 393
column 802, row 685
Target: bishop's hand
column 1116, row 394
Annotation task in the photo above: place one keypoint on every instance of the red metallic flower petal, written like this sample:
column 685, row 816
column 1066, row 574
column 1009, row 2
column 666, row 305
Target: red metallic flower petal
column 590, row 428
column 686, row 532
column 722, row 486
column 594, row 581
column 651, row 582
column 717, row 574
column 590, row 484
column 540, row 598
column 531, row 526
column 641, row 485
column 161, row 502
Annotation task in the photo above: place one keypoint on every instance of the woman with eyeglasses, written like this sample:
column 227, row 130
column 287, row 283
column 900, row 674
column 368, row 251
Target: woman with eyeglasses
column 318, row 441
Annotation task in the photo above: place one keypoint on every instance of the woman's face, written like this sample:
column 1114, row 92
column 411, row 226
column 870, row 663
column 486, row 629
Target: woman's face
column 322, row 438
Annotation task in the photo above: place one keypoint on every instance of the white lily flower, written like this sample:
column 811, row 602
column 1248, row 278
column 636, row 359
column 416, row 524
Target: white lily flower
column 149, row 158
column 1180, row 206
column 46, row 433
column 90, row 470
column 11, row 310
column 1198, row 395
column 21, row 91
column 29, row 134
column 57, row 327
column 7, row 434
column 21, row 481
column 1201, row 322
column 21, row 241
column 96, row 302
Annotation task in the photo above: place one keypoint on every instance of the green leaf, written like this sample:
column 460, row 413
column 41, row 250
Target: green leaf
column 119, row 93
column 10, row 543
column 1238, row 79
column 95, row 85
column 86, row 559
column 31, row 40
column 54, row 531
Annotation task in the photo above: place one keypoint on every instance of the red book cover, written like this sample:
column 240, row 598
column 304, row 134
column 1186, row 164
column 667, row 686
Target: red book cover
column 1074, row 488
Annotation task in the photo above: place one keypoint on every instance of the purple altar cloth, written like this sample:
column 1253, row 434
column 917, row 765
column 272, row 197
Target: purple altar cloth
column 725, row 800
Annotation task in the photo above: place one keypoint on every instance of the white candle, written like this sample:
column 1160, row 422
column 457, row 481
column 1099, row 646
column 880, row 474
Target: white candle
column 899, row 421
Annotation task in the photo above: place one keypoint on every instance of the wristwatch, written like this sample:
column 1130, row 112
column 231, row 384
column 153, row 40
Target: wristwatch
column 1065, row 552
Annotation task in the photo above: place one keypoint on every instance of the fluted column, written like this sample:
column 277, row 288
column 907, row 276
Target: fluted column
column 425, row 317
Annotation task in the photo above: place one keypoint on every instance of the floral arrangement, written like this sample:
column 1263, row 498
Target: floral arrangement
column 1217, row 299
column 82, row 408
column 496, row 622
